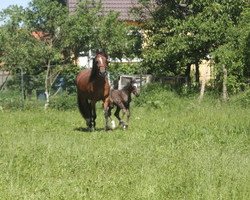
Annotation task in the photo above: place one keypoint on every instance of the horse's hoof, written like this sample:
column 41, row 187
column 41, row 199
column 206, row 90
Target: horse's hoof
column 91, row 129
column 125, row 127
column 112, row 124
column 108, row 128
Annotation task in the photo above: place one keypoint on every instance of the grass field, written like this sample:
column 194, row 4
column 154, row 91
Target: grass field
column 189, row 151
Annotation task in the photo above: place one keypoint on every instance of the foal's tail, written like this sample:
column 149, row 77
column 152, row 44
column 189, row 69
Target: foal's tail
column 84, row 107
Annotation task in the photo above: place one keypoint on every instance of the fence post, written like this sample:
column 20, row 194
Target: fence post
column 22, row 87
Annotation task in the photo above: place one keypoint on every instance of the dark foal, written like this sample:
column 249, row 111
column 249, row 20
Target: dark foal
column 121, row 99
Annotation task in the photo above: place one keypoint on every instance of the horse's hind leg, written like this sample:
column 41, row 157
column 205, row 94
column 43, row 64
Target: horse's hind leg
column 93, row 113
column 85, row 110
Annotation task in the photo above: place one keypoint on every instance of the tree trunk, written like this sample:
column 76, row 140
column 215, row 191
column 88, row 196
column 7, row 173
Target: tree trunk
column 202, row 89
column 224, row 85
column 187, row 74
column 197, row 73
column 4, row 83
column 47, row 86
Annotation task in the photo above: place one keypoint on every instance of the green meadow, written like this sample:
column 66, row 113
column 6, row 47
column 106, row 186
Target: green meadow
column 173, row 149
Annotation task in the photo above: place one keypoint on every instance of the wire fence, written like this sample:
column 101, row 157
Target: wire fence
column 20, row 89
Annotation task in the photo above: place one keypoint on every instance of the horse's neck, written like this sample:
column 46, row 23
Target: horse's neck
column 94, row 73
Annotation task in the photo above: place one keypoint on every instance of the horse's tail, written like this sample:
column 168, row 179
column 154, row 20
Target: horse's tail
column 84, row 107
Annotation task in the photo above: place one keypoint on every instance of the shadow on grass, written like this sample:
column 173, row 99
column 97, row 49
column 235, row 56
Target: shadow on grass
column 86, row 130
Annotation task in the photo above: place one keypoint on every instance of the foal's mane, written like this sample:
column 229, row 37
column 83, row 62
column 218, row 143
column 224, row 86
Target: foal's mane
column 126, row 87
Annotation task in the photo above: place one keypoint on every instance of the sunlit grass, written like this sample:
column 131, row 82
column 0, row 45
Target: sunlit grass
column 187, row 151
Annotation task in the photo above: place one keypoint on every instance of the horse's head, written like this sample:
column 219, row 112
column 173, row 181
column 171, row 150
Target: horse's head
column 135, row 91
column 101, row 63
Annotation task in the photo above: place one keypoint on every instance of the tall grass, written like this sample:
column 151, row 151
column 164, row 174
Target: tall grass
column 177, row 149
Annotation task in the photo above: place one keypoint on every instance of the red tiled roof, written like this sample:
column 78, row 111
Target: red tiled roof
column 122, row 6
column 40, row 35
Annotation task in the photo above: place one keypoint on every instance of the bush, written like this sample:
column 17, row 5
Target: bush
column 117, row 69
column 157, row 96
column 242, row 99
column 10, row 100
column 63, row 102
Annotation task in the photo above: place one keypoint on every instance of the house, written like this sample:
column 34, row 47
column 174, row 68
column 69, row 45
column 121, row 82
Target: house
column 121, row 6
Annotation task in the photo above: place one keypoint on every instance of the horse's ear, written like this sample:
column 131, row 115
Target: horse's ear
column 101, row 51
column 133, row 80
column 98, row 51
column 130, row 80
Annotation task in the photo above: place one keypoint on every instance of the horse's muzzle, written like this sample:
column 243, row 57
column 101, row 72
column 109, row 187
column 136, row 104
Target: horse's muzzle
column 137, row 94
column 103, row 71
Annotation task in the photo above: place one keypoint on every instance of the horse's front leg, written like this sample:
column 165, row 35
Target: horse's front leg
column 93, row 112
column 107, row 113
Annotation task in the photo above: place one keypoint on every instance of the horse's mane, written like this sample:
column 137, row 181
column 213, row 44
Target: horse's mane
column 94, row 66
column 103, row 54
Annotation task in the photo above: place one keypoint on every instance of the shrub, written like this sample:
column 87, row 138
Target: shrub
column 242, row 99
column 63, row 102
column 157, row 96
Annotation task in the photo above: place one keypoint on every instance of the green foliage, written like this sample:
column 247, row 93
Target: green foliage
column 156, row 95
column 60, row 39
column 118, row 69
column 85, row 30
column 189, row 31
column 242, row 99
column 63, row 102
column 69, row 73
column 78, row 29
column 11, row 100
column 46, row 16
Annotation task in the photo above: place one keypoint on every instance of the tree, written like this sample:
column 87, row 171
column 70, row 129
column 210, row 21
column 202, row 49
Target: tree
column 19, row 49
column 42, row 38
column 234, row 53
column 88, row 29
column 182, row 33
column 46, row 17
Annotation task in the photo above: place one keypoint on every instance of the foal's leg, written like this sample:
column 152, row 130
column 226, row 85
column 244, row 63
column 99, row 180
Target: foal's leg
column 121, row 122
column 107, row 113
column 117, row 114
column 112, row 122
column 128, row 115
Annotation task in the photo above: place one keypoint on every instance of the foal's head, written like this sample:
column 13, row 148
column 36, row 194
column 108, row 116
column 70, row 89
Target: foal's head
column 131, row 88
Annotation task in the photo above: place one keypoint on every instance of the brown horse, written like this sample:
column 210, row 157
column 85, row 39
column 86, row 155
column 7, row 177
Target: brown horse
column 92, row 86
column 121, row 99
